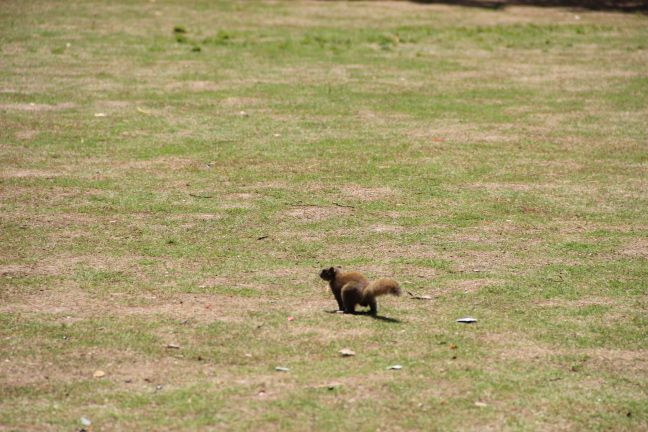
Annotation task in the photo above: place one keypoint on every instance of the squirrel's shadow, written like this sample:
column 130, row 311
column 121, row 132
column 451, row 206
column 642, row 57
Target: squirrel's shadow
column 384, row 318
column 376, row 317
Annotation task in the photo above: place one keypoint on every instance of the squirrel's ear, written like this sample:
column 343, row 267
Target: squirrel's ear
column 332, row 270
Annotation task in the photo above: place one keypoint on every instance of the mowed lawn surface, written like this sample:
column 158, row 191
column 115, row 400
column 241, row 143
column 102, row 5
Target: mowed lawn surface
column 173, row 176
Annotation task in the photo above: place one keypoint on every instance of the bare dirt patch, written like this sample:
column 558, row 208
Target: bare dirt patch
column 37, row 107
column 516, row 259
column 387, row 229
column 71, row 303
column 114, row 104
column 240, row 196
column 273, row 184
column 196, row 86
column 399, row 214
column 513, row 346
column 124, row 368
column 367, row 194
column 626, row 362
column 637, row 248
column 315, row 213
column 381, row 117
column 66, row 299
column 301, row 236
column 241, row 102
column 363, row 231
column 191, row 219
column 324, row 336
column 286, row 273
column 214, row 281
column 15, row 270
column 499, row 187
column 66, row 266
column 473, row 285
column 203, row 308
column 26, row 134
column 472, row 261
column 27, row 173
column 420, row 272
column 235, row 205
column 241, row 200
column 174, row 163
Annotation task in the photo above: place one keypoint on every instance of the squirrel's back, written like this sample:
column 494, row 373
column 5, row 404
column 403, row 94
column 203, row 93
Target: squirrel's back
column 345, row 277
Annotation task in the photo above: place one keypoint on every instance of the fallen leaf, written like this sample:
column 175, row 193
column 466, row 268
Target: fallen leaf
column 173, row 346
column 200, row 196
column 467, row 320
column 291, row 318
column 99, row 374
column 281, row 369
column 100, row 115
column 85, row 421
column 395, row 367
column 346, row 352
column 420, row 297
column 481, row 404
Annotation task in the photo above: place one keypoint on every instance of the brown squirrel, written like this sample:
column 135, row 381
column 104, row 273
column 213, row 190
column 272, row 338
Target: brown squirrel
column 353, row 288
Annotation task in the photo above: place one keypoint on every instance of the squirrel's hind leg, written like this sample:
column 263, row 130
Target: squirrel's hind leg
column 350, row 294
column 373, row 307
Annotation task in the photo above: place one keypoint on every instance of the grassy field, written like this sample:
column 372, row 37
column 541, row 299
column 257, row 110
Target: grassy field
column 177, row 173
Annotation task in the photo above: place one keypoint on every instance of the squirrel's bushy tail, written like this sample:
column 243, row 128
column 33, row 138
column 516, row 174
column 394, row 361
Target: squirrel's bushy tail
column 383, row 286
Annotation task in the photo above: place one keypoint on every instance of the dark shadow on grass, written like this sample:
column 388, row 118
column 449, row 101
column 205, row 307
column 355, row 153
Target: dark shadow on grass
column 385, row 319
column 376, row 317
column 595, row 5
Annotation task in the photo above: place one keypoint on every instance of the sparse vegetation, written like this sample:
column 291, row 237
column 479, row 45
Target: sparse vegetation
column 158, row 195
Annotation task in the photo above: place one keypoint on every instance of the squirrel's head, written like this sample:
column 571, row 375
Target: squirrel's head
column 328, row 274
